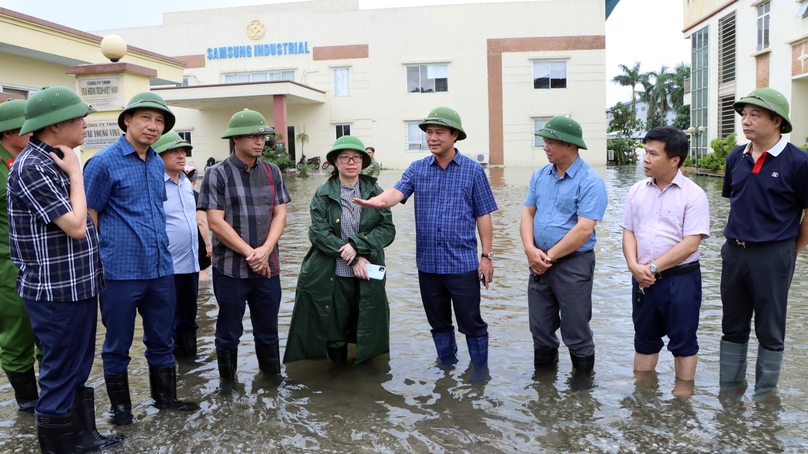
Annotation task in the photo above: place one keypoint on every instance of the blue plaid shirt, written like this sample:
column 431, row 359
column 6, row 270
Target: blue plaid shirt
column 447, row 204
column 559, row 202
column 128, row 194
column 53, row 266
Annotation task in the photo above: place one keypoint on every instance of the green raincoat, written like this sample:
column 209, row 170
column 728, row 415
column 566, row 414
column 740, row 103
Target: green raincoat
column 312, row 315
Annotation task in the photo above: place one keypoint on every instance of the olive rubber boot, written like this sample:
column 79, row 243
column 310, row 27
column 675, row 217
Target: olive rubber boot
column 767, row 372
column 732, row 368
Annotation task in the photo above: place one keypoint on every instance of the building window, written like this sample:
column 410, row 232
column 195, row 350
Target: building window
column 427, row 78
column 699, row 90
column 342, row 82
column 763, row 14
column 538, row 123
column 549, row 74
column 343, row 130
column 416, row 138
column 186, row 136
column 802, row 12
column 264, row 76
column 726, row 49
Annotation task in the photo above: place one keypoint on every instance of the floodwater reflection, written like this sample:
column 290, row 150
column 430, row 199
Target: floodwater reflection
column 402, row 402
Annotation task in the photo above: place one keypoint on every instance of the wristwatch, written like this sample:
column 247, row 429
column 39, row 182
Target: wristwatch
column 652, row 268
column 489, row 256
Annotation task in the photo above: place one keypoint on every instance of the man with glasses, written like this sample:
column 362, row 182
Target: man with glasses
column 566, row 199
column 766, row 185
column 245, row 200
column 125, row 195
column 452, row 198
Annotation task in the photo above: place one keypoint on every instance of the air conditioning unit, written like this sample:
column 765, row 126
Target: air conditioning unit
column 482, row 158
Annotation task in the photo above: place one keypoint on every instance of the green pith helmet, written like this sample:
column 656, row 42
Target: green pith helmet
column 444, row 116
column 246, row 123
column 170, row 141
column 148, row 100
column 12, row 115
column 768, row 99
column 53, row 105
column 347, row 143
column 564, row 129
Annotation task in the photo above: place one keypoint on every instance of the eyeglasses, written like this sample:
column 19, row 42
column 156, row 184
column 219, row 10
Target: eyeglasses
column 771, row 107
column 259, row 138
column 346, row 159
column 551, row 131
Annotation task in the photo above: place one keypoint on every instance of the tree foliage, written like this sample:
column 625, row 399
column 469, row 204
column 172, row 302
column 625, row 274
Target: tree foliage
column 631, row 77
column 276, row 153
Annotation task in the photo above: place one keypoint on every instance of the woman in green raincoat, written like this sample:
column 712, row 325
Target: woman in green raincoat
column 336, row 302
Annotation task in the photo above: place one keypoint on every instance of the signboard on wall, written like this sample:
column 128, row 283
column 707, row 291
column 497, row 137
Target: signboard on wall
column 103, row 93
column 100, row 133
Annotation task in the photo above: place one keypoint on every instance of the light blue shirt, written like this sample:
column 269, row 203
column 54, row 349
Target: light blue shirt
column 181, row 225
column 559, row 202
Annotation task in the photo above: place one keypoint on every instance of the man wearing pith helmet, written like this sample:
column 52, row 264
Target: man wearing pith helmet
column 452, row 198
column 55, row 245
column 17, row 340
column 245, row 199
column 765, row 182
column 565, row 201
column 125, row 195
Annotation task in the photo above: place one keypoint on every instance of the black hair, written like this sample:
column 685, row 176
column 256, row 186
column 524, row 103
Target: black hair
column 676, row 143
column 371, row 149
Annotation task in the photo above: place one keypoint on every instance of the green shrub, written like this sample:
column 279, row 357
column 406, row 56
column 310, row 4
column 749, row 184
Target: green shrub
column 275, row 152
column 624, row 150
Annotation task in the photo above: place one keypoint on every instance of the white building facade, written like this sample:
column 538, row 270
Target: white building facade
column 329, row 68
column 738, row 46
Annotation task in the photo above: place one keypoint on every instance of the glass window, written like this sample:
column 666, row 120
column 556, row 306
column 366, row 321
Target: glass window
column 538, row 123
column 763, row 15
column 263, row 76
column 416, row 139
column 549, row 74
column 427, row 78
column 343, row 130
column 341, row 82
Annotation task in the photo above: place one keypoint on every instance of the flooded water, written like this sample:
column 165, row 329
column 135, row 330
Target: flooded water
column 402, row 402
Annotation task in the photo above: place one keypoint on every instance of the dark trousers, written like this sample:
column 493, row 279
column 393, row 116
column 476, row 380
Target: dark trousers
column 233, row 294
column 440, row 291
column 562, row 297
column 155, row 300
column 756, row 280
column 345, row 312
column 66, row 331
column 186, row 287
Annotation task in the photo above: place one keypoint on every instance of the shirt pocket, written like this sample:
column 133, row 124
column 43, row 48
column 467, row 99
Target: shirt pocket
column 673, row 218
column 266, row 196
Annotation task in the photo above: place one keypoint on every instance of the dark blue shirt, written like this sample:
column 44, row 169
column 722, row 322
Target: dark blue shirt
column 447, row 204
column 766, row 206
column 128, row 194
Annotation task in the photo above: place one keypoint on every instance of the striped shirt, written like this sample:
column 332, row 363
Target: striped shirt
column 447, row 204
column 53, row 266
column 247, row 199
column 183, row 241
column 128, row 194
column 349, row 222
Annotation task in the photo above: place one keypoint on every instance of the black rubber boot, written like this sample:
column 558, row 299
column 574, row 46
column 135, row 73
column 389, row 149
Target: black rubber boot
column 163, row 383
column 227, row 360
column 185, row 345
column 545, row 359
column 25, row 391
column 121, row 403
column 583, row 364
column 56, row 434
column 87, row 437
column 269, row 360
column 338, row 354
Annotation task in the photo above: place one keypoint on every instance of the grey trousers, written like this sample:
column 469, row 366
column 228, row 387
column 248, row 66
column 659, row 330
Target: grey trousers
column 562, row 298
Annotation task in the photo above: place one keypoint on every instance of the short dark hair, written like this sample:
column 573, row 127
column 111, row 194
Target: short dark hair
column 676, row 143
column 371, row 149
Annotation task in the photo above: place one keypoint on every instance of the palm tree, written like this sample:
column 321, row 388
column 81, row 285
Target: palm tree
column 630, row 78
column 657, row 89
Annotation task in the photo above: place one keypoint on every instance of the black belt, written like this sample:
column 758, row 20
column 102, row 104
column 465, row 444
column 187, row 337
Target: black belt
column 751, row 244
column 677, row 270
column 571, row 255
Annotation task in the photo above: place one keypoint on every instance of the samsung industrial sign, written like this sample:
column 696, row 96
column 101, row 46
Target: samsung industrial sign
column 258, row 50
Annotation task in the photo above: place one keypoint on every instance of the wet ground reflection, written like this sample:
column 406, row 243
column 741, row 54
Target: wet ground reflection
column 403, row 403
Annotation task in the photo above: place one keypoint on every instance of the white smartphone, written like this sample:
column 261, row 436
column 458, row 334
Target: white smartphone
column 375, row 271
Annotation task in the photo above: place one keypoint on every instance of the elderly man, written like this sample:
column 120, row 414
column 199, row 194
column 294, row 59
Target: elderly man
column 566, row 199
column 55, row 245
column 666, row 217
column 126, row 192
column 17, row 340
column 766, row 185
column 452, row 197
column 246, row 199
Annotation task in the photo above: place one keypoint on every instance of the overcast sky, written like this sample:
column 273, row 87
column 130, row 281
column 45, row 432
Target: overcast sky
column 645, row 31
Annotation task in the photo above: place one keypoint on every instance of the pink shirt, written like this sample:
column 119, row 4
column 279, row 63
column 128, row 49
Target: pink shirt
column 661, row 219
